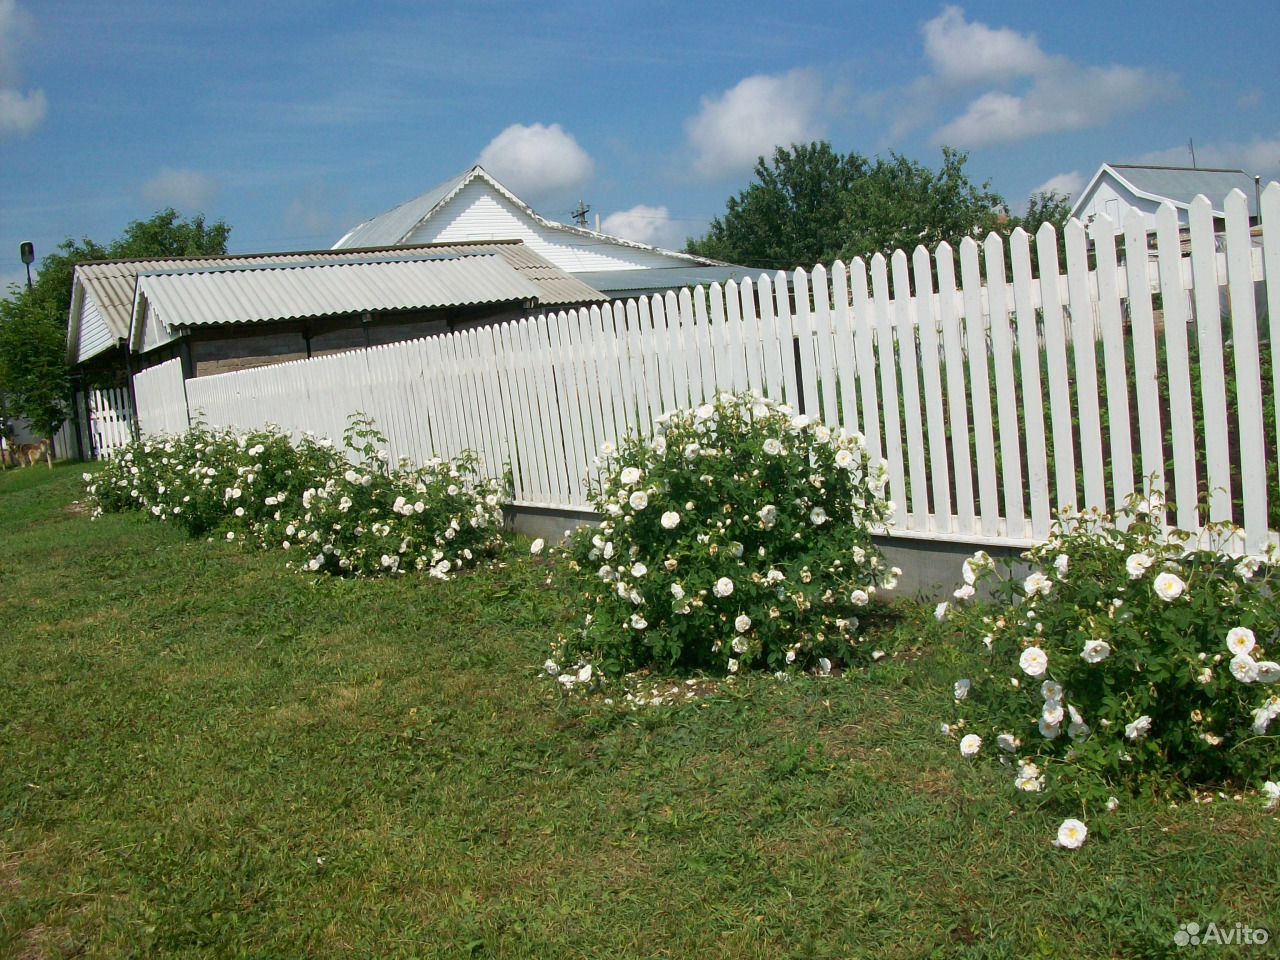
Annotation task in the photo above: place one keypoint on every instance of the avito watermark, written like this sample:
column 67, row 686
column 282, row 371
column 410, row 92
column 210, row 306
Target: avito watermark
column 1192, row 934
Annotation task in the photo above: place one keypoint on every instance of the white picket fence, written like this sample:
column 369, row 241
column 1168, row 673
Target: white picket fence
column 110, row 420
column 996, row 394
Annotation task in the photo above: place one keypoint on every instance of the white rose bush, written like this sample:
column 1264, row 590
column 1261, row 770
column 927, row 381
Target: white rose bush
column 1130, row 658
column 738, row 536
column 350, row 513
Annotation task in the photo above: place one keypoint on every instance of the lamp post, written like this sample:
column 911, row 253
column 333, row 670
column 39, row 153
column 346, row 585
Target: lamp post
column 28, row 251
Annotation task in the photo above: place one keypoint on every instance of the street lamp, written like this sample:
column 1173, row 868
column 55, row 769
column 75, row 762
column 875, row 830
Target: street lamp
column 28, row 251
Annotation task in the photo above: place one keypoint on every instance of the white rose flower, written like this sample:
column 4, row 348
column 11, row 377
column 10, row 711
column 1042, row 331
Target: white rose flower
column 1138, row 729
column 970, row 744
column 1240, row 640
column 1034, row 662
column 670, row 520
column 1137, row 564
column 1268, row 671
column 1072, row 834
column 535, row 548
column 742, row 624
column 1244, row 668
column 1095, row 651
column 1008, row 742
column 1037, row 583
column 1168, row 586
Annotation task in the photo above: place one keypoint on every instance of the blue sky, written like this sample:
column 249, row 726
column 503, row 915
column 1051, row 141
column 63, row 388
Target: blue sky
column 294, row 121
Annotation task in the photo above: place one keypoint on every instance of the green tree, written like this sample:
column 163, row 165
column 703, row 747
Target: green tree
column 34, row 375
column 810, row 204
column 791, row 215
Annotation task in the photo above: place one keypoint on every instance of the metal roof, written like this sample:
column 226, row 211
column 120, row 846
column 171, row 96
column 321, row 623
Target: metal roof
column 111, row 284
column 253, row 294
column 620, row 283
column 1179, row 185
column 397, row 223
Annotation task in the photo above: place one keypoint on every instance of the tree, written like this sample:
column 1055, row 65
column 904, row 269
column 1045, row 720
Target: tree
column 792, row 215
column 34, row 375
column 810, row 204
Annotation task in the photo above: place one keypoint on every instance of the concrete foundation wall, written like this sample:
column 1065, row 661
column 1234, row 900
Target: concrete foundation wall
column 930, row 568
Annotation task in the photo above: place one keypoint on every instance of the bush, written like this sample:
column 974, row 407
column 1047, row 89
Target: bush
column 1130, row 658
column 347, row 513
column 738, row 536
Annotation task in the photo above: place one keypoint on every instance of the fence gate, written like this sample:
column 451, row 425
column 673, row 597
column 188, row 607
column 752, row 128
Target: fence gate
column 110, row 420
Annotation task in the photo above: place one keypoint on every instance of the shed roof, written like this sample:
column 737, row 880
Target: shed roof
column 111, row 283
column 264, row 292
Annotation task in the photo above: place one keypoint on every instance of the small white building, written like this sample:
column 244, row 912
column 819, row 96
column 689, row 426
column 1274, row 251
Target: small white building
column 1119, row 191
column 474, row 206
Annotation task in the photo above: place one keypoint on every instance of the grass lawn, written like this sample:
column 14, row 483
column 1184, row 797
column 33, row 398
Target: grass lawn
column 207, row 755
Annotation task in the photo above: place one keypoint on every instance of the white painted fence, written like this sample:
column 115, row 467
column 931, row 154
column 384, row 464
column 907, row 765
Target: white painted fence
column 110, row 420
column 995, row 393
column 161, row 394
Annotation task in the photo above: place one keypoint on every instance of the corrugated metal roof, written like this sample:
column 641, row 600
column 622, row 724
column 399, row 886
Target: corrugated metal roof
column 284, row 292
column 111, row 283
column 1183, row 184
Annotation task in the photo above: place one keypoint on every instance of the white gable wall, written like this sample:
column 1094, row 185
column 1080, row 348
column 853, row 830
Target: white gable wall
column 478, row 212
column 94, row 336
column 1111, row 198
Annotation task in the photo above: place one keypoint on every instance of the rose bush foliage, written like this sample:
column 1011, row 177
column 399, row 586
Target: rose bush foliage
column 737, row 536
column 1131, row 658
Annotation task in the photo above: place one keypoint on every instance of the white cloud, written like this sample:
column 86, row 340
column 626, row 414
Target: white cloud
column 651, row 225
column 1067, row 98
column 749, row 120
column 19, row 113
column 1259, row 157
column 182, row 189
column 1064, row 184
column 535, row 160
column 963, row 51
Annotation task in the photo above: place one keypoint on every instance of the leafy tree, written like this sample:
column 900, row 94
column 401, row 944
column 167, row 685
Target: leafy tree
column 794, row 213
column 810, row 204
column 34, row 375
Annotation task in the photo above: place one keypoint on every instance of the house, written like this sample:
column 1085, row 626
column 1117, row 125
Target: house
column 1122, row 190
column 474, row 206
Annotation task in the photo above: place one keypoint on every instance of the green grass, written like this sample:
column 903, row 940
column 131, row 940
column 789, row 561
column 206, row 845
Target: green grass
column 207, row 755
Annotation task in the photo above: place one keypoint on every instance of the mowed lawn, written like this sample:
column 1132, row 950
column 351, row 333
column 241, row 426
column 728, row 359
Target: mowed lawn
column 206, row 755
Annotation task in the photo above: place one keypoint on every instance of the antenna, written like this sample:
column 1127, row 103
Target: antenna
column 579, row 214
column 1191, row 145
